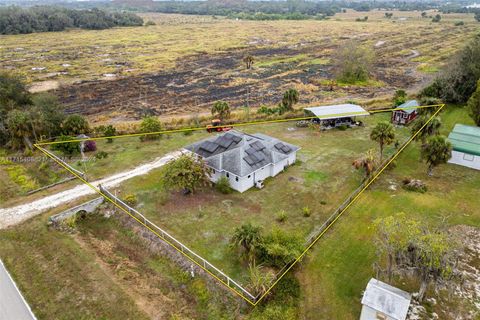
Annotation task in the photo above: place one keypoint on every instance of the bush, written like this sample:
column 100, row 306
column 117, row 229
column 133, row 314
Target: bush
column 354, row 63
column 223, row 185
column 280, row 247
column 131, row 200
column 149, row 125
column 281, row 216
column 109, row 131
column 150, row 23
column 343, row 127
column 437, row 18
column 101, row 155
column 67, row 148
column 459, row 23
column 75, row 124
column 400, row 97
column 307, row 212
column 89, row 146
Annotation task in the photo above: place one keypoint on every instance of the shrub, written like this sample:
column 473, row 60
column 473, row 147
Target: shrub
column 150, row 125
column 223, row 185
column 109, row 131
column 437, row 18
column 459, row 23
column 282, row 216
column 101, row 155
column 89, row 146
column 75, row 124
column 400, row 97
column 280, row 247
column 150, row 23
column 343, row 127
column 131, row 200
column 307, row 212
column 67, row 148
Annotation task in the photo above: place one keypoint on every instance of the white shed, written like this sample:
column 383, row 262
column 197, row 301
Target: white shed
column 466, row 146
column 383, row 302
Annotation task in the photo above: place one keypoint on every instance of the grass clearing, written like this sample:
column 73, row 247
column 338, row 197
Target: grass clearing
column 320, row 180
column 340, row 265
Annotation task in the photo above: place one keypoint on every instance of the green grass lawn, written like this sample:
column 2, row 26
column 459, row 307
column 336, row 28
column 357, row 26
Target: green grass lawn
column 127, row 153
column 322, row 178
column 340, row 265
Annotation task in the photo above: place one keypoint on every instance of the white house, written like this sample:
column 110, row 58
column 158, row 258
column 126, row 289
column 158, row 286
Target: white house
column 383, row 302
column 466, row 146
column 245, row 159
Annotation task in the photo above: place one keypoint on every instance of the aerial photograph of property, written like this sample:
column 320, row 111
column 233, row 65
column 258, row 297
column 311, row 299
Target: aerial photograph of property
column 240, row 159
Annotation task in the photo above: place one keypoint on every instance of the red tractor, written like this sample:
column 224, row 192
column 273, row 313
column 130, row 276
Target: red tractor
column 216, row 126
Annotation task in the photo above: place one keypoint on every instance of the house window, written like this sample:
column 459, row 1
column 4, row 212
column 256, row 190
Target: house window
column 468, row 157
column 236, row 179
column 228, row 175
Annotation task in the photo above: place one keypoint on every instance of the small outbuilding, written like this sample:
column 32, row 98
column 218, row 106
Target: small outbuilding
column 466, row 146
column 382, row 301
column 405, row 113
column 246, row 160
column 336, row 115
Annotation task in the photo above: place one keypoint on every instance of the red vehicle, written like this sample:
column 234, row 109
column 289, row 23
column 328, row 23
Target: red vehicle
column 216, row 126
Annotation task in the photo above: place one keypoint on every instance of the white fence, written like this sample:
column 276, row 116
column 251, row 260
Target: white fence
column 198, row 260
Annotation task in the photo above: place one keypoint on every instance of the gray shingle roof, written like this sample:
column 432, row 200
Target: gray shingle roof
column 240, row 153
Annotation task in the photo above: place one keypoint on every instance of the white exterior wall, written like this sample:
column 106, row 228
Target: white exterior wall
column 245, row 183
column 371, row 314
column 465, row 159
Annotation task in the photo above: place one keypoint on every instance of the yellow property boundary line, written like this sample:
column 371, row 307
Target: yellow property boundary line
column 243, row 124
column 38, row 146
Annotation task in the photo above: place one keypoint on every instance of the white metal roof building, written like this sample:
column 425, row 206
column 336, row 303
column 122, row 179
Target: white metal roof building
column 338, row 111
column 382, row 301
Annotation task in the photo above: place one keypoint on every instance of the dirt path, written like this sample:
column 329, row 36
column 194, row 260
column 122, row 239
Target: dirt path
column 15, row 215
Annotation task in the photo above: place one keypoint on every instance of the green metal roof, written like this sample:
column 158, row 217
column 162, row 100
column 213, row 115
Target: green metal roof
column 465, row 139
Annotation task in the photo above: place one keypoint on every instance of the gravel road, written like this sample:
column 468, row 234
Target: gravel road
column 15, row 215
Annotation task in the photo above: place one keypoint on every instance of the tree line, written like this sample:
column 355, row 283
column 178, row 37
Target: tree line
column 25, row 118
column 17, row 20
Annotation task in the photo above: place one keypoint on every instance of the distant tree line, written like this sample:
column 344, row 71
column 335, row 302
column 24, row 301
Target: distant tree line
column 17, row 20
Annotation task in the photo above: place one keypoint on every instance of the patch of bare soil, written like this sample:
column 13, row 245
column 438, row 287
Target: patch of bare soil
column 199, row 80
column 44, row 86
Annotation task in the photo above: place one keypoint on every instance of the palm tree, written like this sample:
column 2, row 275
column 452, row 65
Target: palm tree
column 429, row 128
column 249, row 237
column 367, row 162
column 221, row 109
column 18, row 124
column 384, row 134
column 249, row 60
column 290, row 97
column 435, row 151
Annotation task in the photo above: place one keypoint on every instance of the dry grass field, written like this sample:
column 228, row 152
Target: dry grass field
column 184, row 63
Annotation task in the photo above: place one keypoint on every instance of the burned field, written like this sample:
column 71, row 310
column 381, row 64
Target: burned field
column 185, row 63
column 200, row 80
